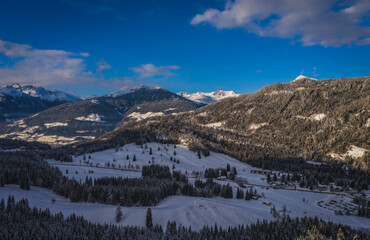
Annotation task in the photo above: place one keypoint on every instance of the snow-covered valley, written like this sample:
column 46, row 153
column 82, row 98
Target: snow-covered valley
column 194, row 211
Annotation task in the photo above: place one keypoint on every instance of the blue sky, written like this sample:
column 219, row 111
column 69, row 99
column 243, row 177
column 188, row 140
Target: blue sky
column 97, row 46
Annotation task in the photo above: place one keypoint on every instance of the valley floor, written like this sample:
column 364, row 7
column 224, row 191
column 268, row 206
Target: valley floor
column 193, row 211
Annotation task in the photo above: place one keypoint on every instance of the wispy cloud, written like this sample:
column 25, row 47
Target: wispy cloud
column 43, row 67
column 149, row 70
column 102, row 65
column 312, row 22
column 314, row 72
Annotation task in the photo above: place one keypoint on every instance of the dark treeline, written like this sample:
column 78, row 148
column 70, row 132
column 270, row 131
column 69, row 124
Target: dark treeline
column 14, row 144
column 229, row 172
column 363, row 209
column 27, row 168
column 157, row 183
column 19, row 221
column 310, row 175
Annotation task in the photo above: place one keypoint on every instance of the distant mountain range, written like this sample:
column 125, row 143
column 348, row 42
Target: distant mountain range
column 18, row 101
column 87, row 119
column 208, row 98
column 305, row 118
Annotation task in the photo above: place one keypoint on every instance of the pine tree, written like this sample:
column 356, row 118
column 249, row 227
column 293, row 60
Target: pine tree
column 2, row 181
column 228, row 167
column 199, row 155
column 127, row 157
column 239, row 194
column 118, row 214
column 150, row 151
column 149, row 220
column 134, row 159
column 268, row 178
column 24, row 182
column 340, row 235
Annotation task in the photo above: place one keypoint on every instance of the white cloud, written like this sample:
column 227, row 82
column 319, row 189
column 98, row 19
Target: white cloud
column 43, row 67
column 314, row 72
column 62, row 68
column 149, row 70
column 102, row 65
column 312, row 22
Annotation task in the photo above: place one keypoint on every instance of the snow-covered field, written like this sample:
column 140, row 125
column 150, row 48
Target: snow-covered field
column 161, row 153
column 81, row 172
column 194, row 211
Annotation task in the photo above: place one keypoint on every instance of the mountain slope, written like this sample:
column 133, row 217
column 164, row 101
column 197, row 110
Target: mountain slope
column 306, row 118
column 208, row 98
column 18, row 101
column 87, row 119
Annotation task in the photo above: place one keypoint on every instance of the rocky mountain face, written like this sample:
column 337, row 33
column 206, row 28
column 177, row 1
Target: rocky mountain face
column 208, row 98
column 307, row 119
column 18, row 101
column 87, row 119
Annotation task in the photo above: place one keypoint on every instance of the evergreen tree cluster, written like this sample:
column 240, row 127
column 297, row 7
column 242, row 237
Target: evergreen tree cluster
column 19, row 221
column 310, row 175
column 363, row 206
column 25, row 169
column 157, row 183
column 6, row 143
column 209, row 188
column 228, row 172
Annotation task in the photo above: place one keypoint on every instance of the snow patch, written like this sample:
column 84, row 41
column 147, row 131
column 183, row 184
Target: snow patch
column 170, row 109
column 255, row 126
column 318, row 117
column 55, row 124
column 208, row 98
column 82, row 131
column 214, row 125
column 356, row 152
column 140, row 116
column 301, row 77
column 94, row 117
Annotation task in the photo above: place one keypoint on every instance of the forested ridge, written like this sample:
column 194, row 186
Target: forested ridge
column 304, row 119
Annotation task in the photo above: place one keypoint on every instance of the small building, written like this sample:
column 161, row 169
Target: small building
column 222, row 178
column 258, row 171
column 267, row 203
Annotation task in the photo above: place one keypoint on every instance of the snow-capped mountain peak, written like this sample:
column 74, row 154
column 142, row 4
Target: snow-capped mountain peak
column 208, row 98
column 130, row 89
column 17, row 90
column 301, row 77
